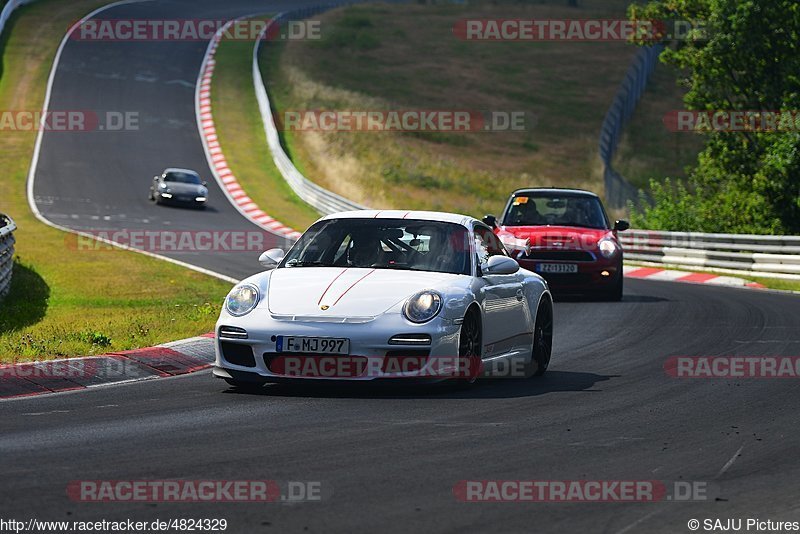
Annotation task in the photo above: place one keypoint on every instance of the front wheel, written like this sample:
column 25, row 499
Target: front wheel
column 542, row 340
column 469, row 351
column 614, row 293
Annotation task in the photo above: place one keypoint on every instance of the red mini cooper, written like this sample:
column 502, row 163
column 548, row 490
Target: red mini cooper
column 565, row 236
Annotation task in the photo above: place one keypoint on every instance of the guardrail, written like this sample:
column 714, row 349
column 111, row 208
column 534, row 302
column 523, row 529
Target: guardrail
column 324, row 201
column 9, row 8
column 618, row 191
column 7, row 228
column 760, row 255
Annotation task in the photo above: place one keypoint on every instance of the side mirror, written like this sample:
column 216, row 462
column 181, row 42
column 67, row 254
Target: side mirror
column 155, row 178
column 490, row 220
column 271, row 258
column 501, row 265
column 204, row 183
column 621, row 225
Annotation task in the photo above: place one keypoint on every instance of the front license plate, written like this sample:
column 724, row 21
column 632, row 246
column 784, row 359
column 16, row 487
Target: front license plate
column 556, row 268
column 318, row 345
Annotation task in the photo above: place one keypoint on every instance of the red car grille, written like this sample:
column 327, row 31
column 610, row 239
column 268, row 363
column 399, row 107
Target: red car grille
column 561, row 255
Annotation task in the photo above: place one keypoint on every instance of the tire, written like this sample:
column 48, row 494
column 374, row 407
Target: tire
column 614, row 294
column 542, row 340
column 469, row 350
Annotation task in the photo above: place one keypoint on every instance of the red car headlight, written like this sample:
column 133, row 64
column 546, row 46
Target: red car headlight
column 608, row 247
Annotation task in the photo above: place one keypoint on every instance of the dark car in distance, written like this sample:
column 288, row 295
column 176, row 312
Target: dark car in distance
column 179, row 186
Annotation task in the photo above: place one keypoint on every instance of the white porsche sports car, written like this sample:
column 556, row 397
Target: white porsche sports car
column 370, row 295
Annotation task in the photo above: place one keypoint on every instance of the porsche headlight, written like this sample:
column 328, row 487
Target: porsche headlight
column 241, row 300
column 607, row 247
column 423, row 306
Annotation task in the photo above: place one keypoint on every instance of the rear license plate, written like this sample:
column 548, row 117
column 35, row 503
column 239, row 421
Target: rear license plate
column 318, row 345
column 556, row 268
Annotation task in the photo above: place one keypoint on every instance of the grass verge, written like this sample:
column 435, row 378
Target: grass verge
column 241, row 137
column 65, row 302
column 380, row 57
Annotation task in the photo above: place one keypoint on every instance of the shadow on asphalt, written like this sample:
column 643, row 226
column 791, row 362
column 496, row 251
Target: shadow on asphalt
column 497, row 388
column 26, row 302
column 178, row 206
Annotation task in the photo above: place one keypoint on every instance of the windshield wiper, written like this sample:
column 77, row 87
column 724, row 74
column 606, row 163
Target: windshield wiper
column 398, row 266
column 576, row 225
column 306, row 263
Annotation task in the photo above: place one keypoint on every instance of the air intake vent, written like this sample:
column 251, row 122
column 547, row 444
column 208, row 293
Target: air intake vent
column 237, row 354
column 232, row 332
column 410, row 339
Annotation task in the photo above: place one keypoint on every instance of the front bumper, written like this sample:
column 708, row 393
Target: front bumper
column 182, row 199
column 598, row 275
column 371, row 355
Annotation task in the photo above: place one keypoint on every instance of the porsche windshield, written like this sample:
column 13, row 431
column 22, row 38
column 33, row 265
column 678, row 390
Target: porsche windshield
column 556, row 210
column 383, row 244
column 182, row 177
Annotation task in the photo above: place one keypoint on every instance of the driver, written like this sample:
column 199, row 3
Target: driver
column 365, row 250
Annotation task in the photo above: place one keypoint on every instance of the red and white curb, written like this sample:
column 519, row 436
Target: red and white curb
column 216, row 159
column 53, row 376
column 669, row 275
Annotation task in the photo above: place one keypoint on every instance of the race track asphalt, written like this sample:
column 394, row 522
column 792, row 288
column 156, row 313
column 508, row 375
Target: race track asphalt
column 388, row 460
column 98, row 180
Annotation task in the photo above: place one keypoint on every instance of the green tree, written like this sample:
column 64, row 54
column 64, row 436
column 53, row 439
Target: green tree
column 742, row 55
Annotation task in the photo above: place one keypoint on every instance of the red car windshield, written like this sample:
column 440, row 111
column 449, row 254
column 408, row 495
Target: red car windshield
column 552, row 210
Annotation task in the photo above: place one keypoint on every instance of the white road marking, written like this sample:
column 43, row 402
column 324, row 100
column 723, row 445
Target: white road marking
column 639, row 521
column 180, row 82
column 730, row 462
column 148, row 78
column 34, row 414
